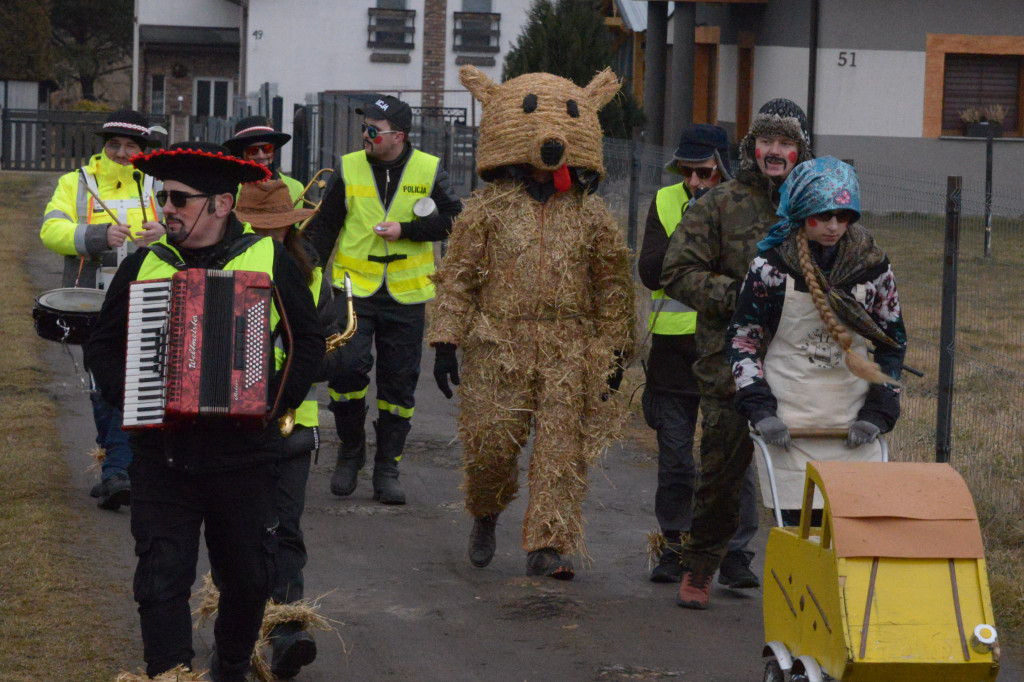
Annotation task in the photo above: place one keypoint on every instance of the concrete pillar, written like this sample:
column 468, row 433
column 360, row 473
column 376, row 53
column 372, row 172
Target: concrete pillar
column 680, row 115
column 654, row 71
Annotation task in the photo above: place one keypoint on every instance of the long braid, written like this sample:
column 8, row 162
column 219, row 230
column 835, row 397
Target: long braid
column 860, row 366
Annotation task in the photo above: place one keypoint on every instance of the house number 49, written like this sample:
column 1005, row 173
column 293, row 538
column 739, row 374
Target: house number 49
column 847, row 59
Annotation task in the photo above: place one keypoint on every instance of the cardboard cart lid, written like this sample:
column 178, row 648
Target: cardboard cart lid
column 900, row 509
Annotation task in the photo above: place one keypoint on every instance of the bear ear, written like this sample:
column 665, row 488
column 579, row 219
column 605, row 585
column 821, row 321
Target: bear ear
column 601, row 90
column 477, row 82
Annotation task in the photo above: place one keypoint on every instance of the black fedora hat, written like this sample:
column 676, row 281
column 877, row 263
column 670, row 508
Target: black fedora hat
column 252, row 130
column 130, row 123
column 205, row 166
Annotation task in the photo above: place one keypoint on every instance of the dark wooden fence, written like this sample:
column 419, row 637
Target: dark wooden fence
column 51, row 140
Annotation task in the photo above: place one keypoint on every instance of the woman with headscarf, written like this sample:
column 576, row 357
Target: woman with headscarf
column 818, row 291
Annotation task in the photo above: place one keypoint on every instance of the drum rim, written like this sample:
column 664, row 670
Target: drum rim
column 97, row 295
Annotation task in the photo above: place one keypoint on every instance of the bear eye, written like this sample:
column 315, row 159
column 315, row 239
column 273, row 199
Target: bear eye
column 572, row 108
column 530, row 103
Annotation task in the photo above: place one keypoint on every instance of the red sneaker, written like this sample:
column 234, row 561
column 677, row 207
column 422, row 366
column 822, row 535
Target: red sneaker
column 695, row 592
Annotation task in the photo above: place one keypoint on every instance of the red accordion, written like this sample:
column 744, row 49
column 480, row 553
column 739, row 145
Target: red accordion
column 199, row 346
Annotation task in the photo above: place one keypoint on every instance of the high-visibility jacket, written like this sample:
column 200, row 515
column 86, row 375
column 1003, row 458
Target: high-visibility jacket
column 257, row 256
column 404, row 266
column 306, row 414
column 72, row 209
column 669, row 316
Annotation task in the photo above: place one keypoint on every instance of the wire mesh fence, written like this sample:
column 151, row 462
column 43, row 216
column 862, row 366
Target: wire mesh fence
column 905, row 210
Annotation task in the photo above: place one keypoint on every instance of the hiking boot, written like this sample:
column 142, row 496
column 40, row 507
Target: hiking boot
column 669, row 568
column 735, row 571
column 115, row 492
column 293, row 648
column 695, row 592
column 549, row 562
column 220, row 671
column 96, row 490
column 481, row 540
column 391, row 432
column 349, row 420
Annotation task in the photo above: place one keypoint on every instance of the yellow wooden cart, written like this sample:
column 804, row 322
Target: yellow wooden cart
column 892, row 586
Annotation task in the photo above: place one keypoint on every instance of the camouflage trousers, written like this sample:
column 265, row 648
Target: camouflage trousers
column 725, row 454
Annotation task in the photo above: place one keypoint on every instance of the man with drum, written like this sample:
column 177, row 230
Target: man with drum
column 97, row 215
column 213, row 473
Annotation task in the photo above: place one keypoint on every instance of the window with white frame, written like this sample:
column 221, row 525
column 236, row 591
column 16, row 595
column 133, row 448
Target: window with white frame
column 391, row 26
column 212, row 97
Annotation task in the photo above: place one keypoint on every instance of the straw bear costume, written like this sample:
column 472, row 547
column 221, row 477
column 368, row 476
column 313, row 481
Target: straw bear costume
column 536, row 290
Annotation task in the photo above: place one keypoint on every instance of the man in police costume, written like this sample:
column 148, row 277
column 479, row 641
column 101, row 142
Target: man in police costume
column 671, row 396
column 368, row 212
column 78, row 228
column 214, row 472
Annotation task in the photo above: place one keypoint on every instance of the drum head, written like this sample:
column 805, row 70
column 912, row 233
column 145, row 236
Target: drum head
column 72, row 300
column 67, row 315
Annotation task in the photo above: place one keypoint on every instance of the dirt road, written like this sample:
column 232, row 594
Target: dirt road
column 404, row 598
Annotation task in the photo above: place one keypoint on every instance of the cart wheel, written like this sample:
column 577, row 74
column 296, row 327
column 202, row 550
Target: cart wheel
column 773, row 671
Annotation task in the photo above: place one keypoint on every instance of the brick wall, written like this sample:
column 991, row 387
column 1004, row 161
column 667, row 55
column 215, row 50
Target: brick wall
column 435, row 44
column 180, row 68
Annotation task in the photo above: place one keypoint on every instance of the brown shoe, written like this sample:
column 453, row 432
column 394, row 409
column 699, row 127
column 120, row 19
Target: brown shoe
column 695, row 592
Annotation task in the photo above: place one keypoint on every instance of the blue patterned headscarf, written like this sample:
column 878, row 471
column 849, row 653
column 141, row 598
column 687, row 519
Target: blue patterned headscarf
column 815, row 186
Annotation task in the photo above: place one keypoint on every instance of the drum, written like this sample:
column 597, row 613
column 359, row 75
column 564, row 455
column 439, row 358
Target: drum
column 67, row 315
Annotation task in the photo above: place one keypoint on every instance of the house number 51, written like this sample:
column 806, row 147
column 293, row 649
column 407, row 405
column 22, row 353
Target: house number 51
column 847, row 59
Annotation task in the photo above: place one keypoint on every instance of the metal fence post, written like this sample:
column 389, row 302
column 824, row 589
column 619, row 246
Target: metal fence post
column 947, row 329
column 634, row 188
column 988, row 191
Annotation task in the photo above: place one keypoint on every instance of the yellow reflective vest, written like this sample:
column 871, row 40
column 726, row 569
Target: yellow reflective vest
column 669, row 316
column 404, row 266
column 72, row 208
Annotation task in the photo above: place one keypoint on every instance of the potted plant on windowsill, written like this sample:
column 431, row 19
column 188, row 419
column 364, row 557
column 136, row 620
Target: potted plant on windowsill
column 978, row 121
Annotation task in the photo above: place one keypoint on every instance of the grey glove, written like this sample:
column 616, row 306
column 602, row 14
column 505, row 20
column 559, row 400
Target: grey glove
column 861, row 432
column 774, row 431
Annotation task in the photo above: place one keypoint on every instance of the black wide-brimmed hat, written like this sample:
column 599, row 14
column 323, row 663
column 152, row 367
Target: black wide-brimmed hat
column 130, row 123
column 252, row 130
column 205, row 166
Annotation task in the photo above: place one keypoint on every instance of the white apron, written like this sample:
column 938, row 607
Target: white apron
column 807, row 374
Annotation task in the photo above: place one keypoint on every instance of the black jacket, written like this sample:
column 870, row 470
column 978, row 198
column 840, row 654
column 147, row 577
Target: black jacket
column 323, row 230
column 211, row 445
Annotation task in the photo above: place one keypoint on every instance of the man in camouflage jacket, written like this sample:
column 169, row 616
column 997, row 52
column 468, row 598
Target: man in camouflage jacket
column 706, row 262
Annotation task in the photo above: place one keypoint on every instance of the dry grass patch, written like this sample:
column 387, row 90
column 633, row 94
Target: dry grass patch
column 56, row 621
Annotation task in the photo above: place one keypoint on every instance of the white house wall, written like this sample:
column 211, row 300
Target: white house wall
column 779, row 72
column 208, row 13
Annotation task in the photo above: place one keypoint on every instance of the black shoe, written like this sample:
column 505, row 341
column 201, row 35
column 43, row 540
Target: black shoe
column 481, row 540
column 115, row 492
column 293, row 648
column 669, row 568
column 387, row 491
column 346, row 473
column 96, row 490
column 549, row 562
column 735, row 571
column 221, row 671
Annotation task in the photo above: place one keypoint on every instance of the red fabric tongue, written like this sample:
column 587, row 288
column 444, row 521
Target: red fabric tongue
column 562, row 180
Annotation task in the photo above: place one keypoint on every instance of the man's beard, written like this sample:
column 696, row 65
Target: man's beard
column 698, row 192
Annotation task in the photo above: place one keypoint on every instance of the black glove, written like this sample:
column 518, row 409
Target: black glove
column 446, row 366
column 861, row 432
column 774, row 431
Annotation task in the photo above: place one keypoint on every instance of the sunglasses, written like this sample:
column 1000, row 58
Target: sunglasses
column 254, row 149
column 843, row 215
column 702, row 173
column 177, row 197
column 373, row 132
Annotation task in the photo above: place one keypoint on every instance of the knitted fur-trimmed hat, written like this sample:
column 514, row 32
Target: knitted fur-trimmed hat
column 204, row 166
column 777, row 117
column 540, row 120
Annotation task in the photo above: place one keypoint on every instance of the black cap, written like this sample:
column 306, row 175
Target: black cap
column 130, row 123
column 254, row 129
column 205, row 166
column 390, row 108
column 699, row 142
